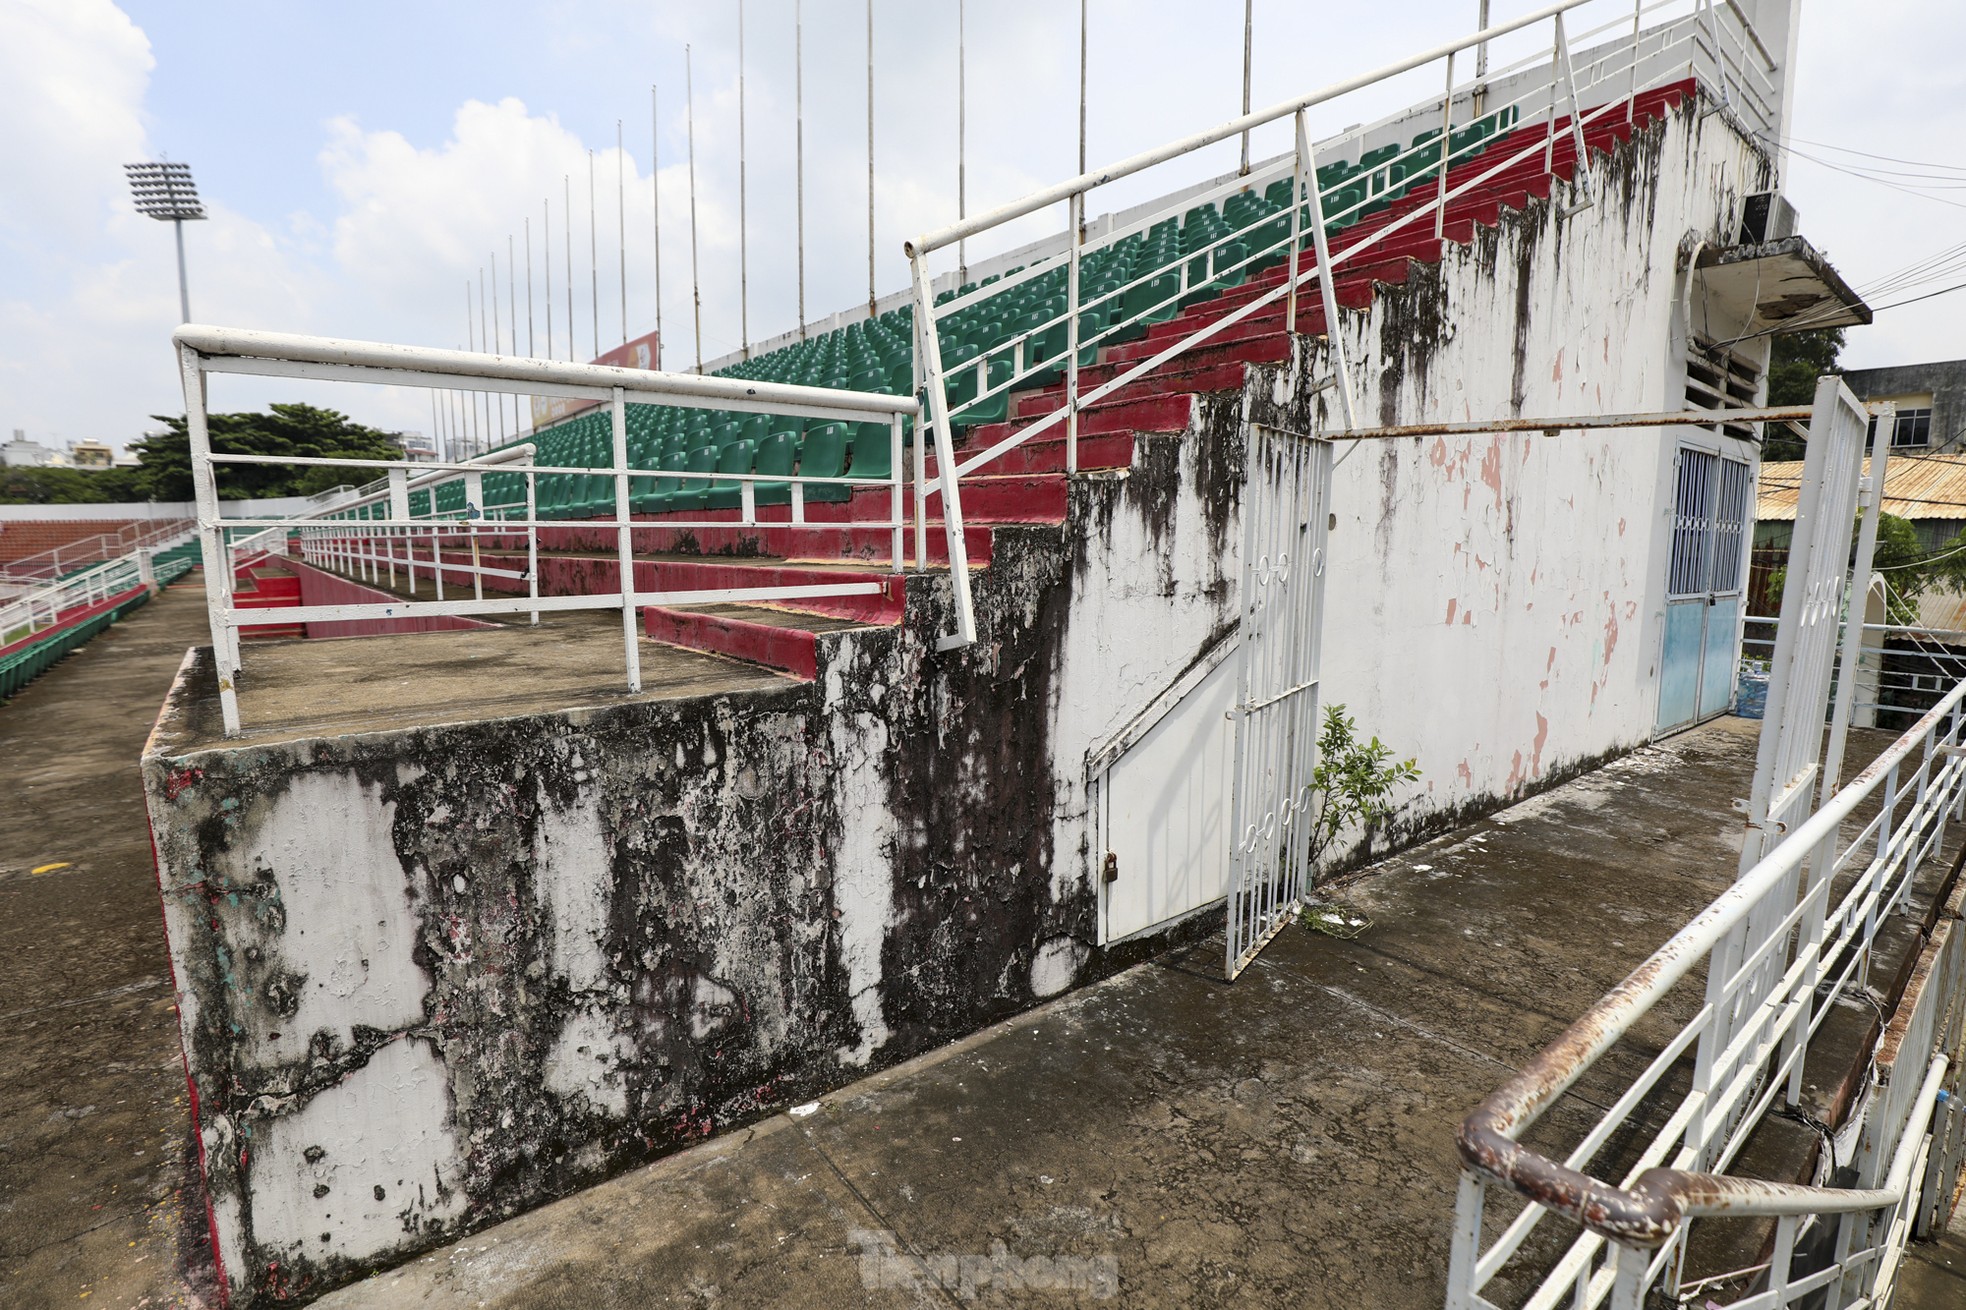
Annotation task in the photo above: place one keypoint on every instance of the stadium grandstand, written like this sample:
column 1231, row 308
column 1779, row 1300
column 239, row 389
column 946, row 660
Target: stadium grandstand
column 819, row 740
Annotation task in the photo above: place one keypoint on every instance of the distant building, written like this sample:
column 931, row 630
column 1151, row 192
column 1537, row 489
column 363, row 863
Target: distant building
column 1927, row 491
column 1931, row 400
column 22, row 453
column 91, row 455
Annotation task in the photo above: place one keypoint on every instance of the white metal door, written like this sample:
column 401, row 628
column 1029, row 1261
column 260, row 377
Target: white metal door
column 1285, row 506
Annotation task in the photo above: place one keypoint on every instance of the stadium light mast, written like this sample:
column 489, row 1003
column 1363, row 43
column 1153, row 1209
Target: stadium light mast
column 164, row 191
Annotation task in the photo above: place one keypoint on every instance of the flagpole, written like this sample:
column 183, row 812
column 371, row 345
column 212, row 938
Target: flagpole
column 695, row 283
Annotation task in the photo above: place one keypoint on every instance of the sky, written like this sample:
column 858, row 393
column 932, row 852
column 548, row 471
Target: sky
column 362, row 163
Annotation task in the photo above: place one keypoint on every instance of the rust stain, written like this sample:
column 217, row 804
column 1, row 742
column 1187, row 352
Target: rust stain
column 1452, row 604
column 1610, row 629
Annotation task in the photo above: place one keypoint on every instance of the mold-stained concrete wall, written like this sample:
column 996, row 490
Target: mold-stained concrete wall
column 1495, row 604
column 430, row 977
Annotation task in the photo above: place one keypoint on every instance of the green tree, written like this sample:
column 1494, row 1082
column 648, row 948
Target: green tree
column 289, row 431
column 1797, row 360
column 1909, row 570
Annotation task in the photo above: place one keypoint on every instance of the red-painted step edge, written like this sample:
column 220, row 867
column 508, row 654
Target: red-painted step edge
column 791, row 650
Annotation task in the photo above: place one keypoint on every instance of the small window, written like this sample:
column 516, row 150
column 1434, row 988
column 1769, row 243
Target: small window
column 1914, row 428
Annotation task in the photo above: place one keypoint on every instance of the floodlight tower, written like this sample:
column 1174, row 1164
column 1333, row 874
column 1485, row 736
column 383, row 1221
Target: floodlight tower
column 165, row 192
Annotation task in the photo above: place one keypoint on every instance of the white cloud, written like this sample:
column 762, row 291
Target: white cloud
column 88, row 289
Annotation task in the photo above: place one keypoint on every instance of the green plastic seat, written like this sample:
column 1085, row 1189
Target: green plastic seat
column 690, row 493
column 739, row 456
column 777, row 457
column 823, row 455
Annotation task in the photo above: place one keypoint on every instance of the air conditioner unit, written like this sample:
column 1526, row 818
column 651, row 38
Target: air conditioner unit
column 1766, row 216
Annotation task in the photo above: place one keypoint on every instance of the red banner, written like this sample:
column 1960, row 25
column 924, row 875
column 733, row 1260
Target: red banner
column 642, row 352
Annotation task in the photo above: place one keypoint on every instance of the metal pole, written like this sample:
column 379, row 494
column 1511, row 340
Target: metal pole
column 621, row 222
column 529, row 319
column 962, row 136
column 1332, row 328
column 546, row 262
column 566, row 221
column 799, row 147
column 870, row 158
column 695, row 283
column 1480, row 98
column 1863, row 577
column 593, row 256
column 1248, row 28
column 655, row 205
column 1082, row 4
column 211, row 539
column 744, row 223
column 512, row 318
column 625, row 550
column 183, row 287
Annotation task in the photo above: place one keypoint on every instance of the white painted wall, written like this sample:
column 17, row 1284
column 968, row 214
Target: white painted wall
column 1495, row 604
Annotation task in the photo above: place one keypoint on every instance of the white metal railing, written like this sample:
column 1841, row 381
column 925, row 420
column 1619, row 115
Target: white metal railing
column 50, row 564
column 397, row 522
column 47, row 606
column 1718, row 1069
column 1894, row 683
column 1111, row 287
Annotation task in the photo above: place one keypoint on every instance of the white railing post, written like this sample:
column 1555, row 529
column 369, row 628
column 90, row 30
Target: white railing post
column 532, row 540
column 896, row 512
column 625, row 538
column 947, row 482
column 1465, row 1251
column 1446, row 131
column 1631, row 91
column 1583, row 174
column 1299, row 170
column 218, row 577
column 474, row 514
column 1074, row 237
column 1333, row 332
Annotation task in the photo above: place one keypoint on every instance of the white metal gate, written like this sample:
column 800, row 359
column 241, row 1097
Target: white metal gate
column 1285, row 508
column 1790, row 761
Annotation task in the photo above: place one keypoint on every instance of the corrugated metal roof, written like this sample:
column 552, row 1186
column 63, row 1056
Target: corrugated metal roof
column 1915, row 487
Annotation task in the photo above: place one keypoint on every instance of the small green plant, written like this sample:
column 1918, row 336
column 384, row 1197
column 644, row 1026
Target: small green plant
column 1354, row 780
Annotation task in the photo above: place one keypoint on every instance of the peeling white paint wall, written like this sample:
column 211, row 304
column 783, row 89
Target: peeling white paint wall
column 366, row 1166
column 863, row 886
column 347, row 958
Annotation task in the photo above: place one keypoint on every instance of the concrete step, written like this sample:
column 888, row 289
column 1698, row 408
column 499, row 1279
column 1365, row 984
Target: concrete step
column 581, row 574
column 757, row 634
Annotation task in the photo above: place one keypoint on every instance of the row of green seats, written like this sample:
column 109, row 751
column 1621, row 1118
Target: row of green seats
column 1125, row 287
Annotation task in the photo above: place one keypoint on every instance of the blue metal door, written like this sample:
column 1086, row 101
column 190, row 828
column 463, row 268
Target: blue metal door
column 1703, row 587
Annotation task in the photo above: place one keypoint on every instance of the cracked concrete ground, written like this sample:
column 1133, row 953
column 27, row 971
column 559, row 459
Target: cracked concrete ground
column 99, row 1198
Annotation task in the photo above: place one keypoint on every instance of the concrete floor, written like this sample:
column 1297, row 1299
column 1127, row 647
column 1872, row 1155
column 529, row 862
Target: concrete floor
column 99, row 1203
column 299, row 688
column 1162, row 1139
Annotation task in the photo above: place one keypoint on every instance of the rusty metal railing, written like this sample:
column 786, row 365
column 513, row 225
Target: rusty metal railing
column 1710, row 1098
